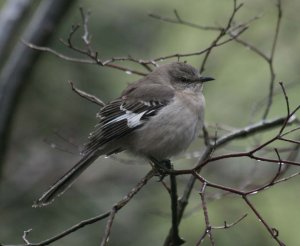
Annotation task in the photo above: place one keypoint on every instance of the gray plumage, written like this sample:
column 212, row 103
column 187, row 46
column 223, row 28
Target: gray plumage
column 156, row 117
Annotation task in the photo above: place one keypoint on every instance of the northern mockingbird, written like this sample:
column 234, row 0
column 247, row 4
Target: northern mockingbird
column 155, row 117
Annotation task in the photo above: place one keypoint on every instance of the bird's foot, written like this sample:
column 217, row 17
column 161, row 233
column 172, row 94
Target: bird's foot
column 162, row 168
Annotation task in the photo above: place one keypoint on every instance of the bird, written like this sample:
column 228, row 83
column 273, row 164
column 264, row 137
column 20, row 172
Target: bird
column 156, row 117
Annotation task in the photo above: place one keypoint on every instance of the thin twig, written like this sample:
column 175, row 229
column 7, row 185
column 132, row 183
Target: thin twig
column 273, row 232
column 240, row 133
column 87, row 96
column 109, row 223
column 290, row 140
column 271, row 59
column 86, row 37
column 24, row 237
column 179, row 20
column 97, row 218
column 206, row 217
column 227, row 226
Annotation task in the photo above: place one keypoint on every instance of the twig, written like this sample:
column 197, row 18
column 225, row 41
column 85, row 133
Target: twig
column 227, row 226
column 179, row 20
column 222, row 33
column 24, row 237
column 293, row 130
column 271, row 59
column 97, row 218
column 289, row 140
column 206, row 218
column 240, row 133
column 87, row 96
column 273, row 232
column 86, row 35
column 108, row 226
column 60, row 55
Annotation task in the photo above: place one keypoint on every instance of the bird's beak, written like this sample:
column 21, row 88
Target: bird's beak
column 205, row 79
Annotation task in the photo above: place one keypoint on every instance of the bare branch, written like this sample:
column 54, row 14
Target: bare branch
column 108, row 227
column 87, row 96
column 227, row 226
column 60, row 55
column 273, row 232
column 174, row 238
column 269, row 59
column 97, row 218
column 179, row 20
column 206, row 218
column 24, row 237
column 86, row 37
column 87, row 61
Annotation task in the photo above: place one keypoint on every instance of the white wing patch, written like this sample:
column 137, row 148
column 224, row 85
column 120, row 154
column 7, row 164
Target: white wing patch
column 133, row 119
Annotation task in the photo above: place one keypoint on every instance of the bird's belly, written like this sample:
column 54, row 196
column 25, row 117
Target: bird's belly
column 168, row 133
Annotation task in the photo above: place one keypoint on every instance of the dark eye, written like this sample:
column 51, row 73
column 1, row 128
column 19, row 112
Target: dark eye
column 184, row 79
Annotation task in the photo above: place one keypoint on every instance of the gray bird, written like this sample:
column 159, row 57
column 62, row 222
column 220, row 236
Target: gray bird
column 155, row 117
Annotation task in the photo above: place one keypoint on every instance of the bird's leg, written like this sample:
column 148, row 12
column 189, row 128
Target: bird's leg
column 162, row 167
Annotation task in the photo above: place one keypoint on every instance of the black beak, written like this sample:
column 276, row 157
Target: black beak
column 205, row 79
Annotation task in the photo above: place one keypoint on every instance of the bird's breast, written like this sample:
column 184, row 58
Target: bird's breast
column 172, row 130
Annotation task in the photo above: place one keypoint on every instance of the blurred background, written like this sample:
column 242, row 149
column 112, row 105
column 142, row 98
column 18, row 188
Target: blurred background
column 50, row 122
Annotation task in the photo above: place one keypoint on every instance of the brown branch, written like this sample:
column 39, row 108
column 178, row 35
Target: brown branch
column 97, row 218
column 87, row 96
column 208, row 227
column 179, row 20
column 108, row 228
column 241, row 133
column 269, row 59
column 293, row 130
column 289, row 140
column 273, row 232
column 227, row 226
column 222, row 33
column 85, row 61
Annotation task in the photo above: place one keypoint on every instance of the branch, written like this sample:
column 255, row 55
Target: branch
column 268, row 58
column 97, row 218
column 240, row 133
column 174, row 239
column 273, row 232
column 87, row 96
column 179, row 20
column 208, row 228
column 108, row 226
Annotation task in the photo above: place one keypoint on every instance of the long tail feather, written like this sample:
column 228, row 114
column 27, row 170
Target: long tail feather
column 61, row 185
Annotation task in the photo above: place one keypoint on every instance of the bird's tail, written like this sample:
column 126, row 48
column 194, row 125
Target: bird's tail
column 61, row 185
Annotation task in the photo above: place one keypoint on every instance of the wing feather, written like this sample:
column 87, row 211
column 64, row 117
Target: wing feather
column 121, row 116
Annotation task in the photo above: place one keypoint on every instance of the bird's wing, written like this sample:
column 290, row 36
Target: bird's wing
column 129, row 112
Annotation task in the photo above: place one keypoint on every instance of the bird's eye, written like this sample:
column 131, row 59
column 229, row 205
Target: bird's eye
column 184, row 79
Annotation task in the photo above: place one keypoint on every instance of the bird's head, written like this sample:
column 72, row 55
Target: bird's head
column 181, row 75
